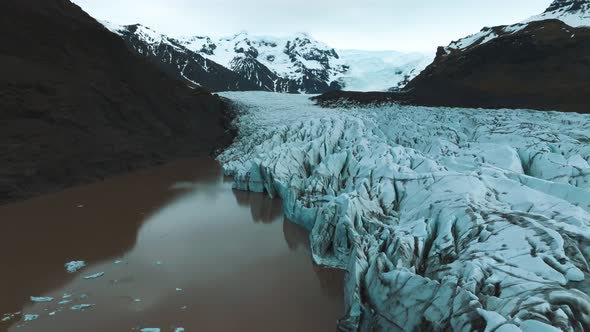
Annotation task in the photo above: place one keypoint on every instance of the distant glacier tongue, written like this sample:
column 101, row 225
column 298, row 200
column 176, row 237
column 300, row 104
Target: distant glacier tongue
column 444, row 218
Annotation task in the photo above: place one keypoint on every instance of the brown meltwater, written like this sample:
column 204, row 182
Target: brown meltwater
column 165, row 248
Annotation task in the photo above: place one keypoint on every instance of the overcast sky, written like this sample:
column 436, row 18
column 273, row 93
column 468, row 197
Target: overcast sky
column 407, row 25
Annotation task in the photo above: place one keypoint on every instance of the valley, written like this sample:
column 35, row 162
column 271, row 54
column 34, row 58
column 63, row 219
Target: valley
column 213, row 179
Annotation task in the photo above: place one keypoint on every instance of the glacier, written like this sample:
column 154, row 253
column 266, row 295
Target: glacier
column 442, row 218
column 381, row 70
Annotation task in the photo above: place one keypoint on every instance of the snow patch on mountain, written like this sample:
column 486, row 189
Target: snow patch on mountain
column 381, row 70
column 444, row 218
column 484, row 36
column 575, row 13
column 291, row 58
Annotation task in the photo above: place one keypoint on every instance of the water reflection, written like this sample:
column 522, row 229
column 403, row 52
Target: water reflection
column 91, row 223
column 262, row 208
column 223, row 249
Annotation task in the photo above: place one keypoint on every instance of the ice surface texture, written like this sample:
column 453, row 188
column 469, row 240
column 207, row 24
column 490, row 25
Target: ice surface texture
column 443, row 218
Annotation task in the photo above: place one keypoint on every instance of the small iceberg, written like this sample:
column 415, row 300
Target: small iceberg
column 81, row 306
column 74, row 266
column 150, row 329
column 31, row 317
column 41, row 299
column 94, row 276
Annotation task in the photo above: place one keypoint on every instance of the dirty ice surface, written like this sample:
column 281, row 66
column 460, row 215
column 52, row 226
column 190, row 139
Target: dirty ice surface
column 444, row 218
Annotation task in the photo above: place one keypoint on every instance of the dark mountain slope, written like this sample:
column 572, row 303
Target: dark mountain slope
column 76, row 104
column 544, row 66
column 541, row 65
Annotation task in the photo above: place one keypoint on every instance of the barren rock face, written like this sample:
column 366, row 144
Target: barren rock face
column 444, row 218
column 77, row 105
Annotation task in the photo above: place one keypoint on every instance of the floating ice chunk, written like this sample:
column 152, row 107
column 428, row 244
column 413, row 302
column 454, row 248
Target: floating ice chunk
column 74, row 266
column 118, row 261
column 30, row 317
column 94, row 276
column 136, row 300
column 81, row 306
column 157, row 262
column 6, row 317
column 41, row 299
column 179, row 329
column 52, row 313
column 150, row 329
column 179, row 289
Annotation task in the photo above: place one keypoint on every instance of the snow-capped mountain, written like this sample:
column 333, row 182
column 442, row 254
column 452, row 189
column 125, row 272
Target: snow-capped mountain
column 241, row 62
column 575, row 13
column 296, row 64
column 381, row 70
column 174, row 58
column 539, row 63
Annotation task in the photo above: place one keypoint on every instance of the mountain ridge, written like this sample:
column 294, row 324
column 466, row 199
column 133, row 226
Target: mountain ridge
column 293, row 64
column 543, row 64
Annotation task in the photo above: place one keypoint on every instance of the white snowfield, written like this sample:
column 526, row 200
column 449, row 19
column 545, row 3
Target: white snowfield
column 443, row 218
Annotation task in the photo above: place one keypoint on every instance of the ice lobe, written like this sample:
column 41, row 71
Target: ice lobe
column 444, row 218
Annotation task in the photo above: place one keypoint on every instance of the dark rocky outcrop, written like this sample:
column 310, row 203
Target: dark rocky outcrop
column 545, row 65
column 77, row 105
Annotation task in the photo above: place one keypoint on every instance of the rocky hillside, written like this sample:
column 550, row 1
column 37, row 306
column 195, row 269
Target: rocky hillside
column 77, row 105
column 541, row 63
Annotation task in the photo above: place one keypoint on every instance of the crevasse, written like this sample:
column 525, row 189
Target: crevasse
column 443, row 218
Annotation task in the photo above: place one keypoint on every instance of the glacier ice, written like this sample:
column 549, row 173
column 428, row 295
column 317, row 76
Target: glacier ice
column 443, row 218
